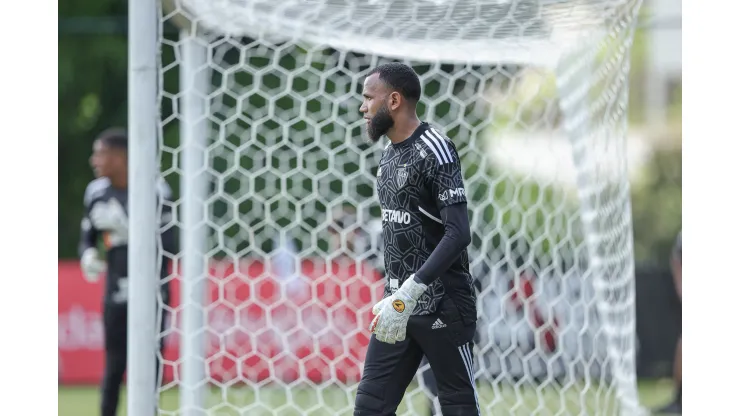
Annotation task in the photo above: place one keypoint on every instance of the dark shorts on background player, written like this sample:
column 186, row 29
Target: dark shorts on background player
column 389, row 368
column 115, row 327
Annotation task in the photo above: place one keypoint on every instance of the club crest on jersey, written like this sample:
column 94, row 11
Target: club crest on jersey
column 401, row 176
column 421, row 150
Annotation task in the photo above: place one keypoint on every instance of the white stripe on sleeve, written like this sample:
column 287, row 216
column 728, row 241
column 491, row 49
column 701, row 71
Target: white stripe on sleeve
column 434, row 149
column 443, row 143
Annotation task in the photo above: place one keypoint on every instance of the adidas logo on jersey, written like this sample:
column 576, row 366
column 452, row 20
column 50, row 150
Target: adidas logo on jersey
column 438, row 324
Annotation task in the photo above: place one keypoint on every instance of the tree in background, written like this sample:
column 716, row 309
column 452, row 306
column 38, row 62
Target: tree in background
column 92, row 96
column 656, row 201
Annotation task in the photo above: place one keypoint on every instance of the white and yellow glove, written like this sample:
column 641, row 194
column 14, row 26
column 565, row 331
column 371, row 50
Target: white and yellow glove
column 392, row 313
column 92, row 266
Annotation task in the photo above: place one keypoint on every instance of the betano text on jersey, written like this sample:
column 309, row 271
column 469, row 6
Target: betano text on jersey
column 415, row 180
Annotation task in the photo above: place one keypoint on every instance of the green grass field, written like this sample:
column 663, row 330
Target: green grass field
column 332, row 400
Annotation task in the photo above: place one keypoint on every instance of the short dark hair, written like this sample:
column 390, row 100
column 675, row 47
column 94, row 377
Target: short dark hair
column 401, row 78
column 115, row 138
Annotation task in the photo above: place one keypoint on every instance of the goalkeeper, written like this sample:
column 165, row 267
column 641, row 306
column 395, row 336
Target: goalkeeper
column 429, row 305
column 106, row 219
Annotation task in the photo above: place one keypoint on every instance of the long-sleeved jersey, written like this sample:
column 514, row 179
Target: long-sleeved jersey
column 103, row 201
column 422, row 197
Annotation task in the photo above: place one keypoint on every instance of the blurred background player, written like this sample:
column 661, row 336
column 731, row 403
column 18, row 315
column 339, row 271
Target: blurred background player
column 674, row 407
column 106, row 222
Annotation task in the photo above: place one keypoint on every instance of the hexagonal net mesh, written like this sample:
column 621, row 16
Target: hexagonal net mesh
column 281, row 261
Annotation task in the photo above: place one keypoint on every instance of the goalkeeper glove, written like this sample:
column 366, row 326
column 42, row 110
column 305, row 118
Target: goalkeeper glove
column 392, row 313
column 91, row 265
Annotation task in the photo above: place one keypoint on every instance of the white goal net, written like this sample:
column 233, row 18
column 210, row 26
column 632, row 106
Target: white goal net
column 262, row 141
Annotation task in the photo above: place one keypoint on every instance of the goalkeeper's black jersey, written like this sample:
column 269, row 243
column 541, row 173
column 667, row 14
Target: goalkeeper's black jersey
column 415, row 180
column 101, row 196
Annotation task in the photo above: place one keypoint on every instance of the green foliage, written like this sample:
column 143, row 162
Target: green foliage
column 656, row 204
column 92, row 96
column 519, row 218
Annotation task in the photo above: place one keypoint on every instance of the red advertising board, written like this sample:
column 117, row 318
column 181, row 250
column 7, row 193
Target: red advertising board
column 261, row 325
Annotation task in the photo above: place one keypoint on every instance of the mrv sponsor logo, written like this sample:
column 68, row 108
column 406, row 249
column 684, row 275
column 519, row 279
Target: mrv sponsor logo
column 451, row 193
column 400, row 217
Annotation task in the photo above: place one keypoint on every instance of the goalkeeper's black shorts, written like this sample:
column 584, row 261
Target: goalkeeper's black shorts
column 389, row 368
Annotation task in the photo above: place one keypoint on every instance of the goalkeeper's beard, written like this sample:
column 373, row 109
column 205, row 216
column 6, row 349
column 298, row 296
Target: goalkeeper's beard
column 379, row 124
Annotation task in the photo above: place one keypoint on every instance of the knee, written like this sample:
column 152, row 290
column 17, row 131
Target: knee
column 370, row 399
column 459, row 404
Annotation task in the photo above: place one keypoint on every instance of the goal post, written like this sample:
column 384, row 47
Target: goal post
column 195, row 87
column 260, row 136
column 143, row 154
